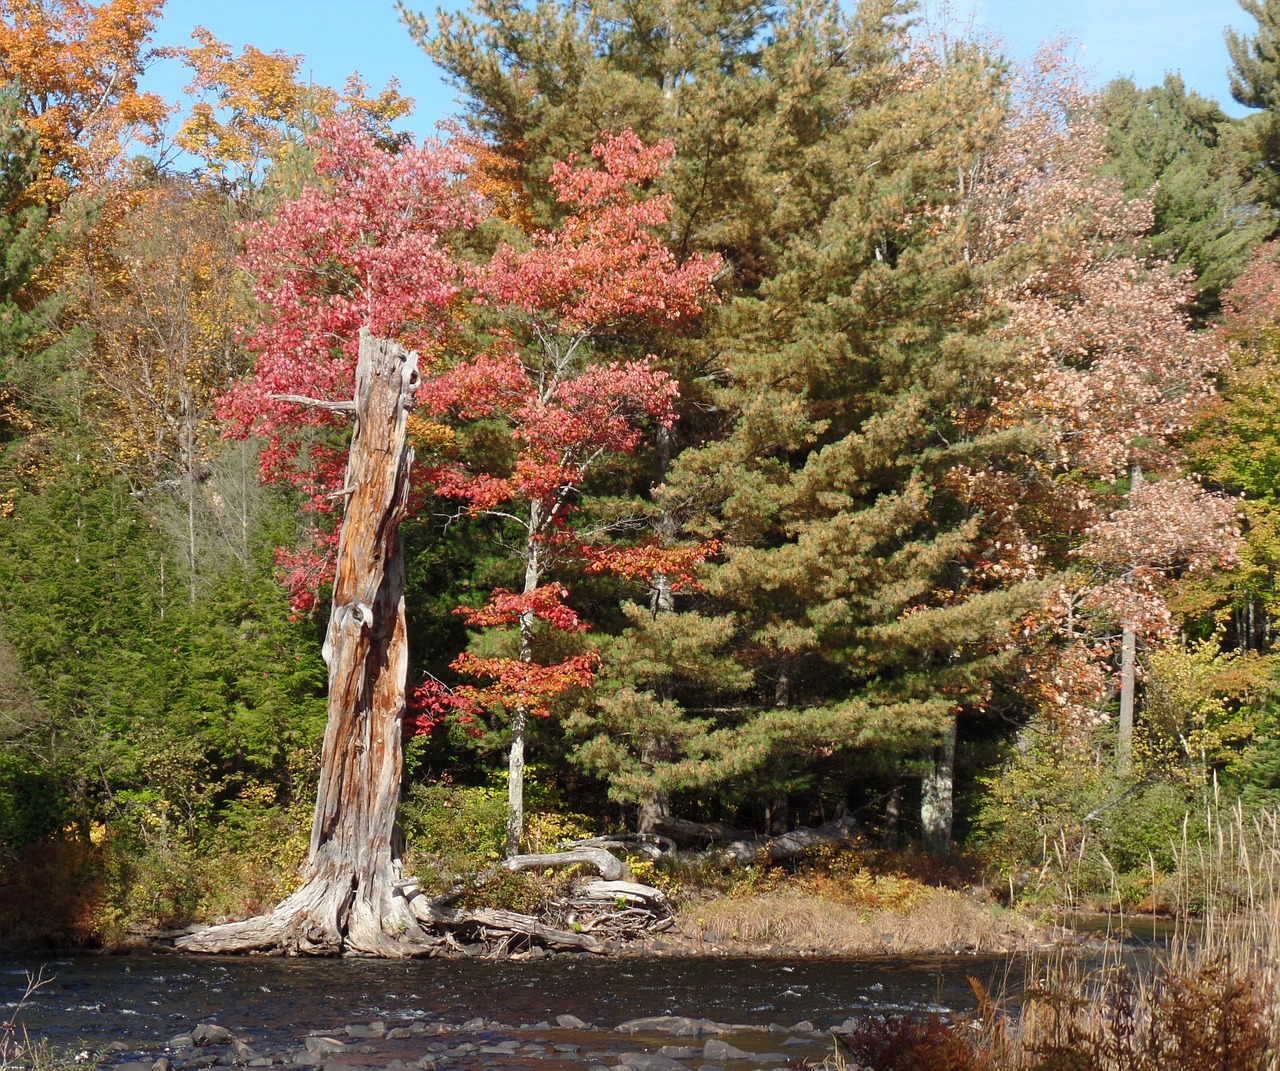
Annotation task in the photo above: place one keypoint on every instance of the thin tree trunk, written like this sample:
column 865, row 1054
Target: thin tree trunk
column 520, row 716
column 350, row 900
column 893, row 815
column 937, row 805
column 776, row 815
column 1128, row 669
column 1128, row 681
column 655, row 808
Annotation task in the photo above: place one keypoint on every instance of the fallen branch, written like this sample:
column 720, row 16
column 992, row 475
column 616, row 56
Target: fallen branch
column 842, row 831
column 611, row 868
column 495, row 923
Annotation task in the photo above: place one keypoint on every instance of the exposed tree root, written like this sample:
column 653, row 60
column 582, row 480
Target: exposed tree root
column 404, row 922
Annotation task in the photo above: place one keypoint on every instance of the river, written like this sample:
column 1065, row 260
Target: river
column 143, row 1000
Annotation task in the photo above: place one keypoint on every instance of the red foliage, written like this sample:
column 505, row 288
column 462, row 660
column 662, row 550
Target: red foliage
column 506, row 608
column 523, row 684
column 606, row 263
column 364, row 246
column 646, row 560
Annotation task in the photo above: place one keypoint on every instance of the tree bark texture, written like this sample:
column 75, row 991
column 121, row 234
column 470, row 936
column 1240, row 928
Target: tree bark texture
column 350, row 900
column 937, row 790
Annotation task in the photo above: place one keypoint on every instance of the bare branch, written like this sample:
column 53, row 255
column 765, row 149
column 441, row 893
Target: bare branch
column 315, row 403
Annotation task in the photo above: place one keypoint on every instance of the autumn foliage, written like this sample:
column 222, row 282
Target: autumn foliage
column 566, row 412
column 78, row 66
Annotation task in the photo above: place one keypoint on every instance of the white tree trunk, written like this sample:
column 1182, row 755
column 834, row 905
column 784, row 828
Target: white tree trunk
column 937, row 791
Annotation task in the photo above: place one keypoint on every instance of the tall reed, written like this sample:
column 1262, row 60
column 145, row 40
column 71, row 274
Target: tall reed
column 1207, row 1001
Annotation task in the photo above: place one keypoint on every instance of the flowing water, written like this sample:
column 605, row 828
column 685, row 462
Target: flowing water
column 144, row 1000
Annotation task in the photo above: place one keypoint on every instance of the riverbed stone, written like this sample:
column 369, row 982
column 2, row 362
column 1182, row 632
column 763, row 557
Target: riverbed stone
column 366, row 1030
column 768, row 1059
column 571, row 1022
column 715, row 1049
column 212, row 1034
column 318, row 1045
column 180, row 1041
column 133, row 1065
column 501, row 1048
column 473, row 1024
column 674, row 1025
column 161, row 1064
column 241, row 1051
column 567, row 1046
column 649, row 1061
column 680, row 1052
column 803, row 1027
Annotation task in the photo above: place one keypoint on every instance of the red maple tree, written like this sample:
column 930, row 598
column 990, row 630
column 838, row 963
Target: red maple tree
column 566, row 410
column 365, row 245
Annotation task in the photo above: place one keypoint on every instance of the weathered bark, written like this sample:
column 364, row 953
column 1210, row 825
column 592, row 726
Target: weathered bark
column 655, row 808
column 350, row 900
column 937, row 788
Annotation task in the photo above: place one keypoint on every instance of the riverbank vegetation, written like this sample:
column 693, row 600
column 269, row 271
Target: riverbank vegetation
column 1208, row 998
column 789, row 465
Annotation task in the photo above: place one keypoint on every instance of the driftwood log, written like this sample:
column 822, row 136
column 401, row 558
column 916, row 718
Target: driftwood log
column 734, row 847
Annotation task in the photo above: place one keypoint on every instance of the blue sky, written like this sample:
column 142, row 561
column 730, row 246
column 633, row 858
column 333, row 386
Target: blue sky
column 1139, row 38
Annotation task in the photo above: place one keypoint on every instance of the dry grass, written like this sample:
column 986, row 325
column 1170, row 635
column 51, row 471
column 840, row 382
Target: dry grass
column 851, row 915
column 1210, row 1003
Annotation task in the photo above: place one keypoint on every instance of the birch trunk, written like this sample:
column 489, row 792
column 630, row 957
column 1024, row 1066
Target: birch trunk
column 520, row 716
column 1128, row 670
column 1128, row 682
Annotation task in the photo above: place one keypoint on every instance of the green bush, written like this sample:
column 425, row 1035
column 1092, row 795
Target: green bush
column 33, row 806
column 1058, row 823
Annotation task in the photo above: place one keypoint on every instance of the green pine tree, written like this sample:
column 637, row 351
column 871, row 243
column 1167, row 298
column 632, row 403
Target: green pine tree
column 1177, row 147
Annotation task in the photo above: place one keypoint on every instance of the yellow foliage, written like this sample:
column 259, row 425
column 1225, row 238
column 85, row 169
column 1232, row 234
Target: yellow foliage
column 252, row 106
column 158, row 285
column 78, row 64
column 1201, row 701
column 429, row 436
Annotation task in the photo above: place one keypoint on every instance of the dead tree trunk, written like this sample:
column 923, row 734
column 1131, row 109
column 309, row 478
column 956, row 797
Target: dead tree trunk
column 350, row 900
